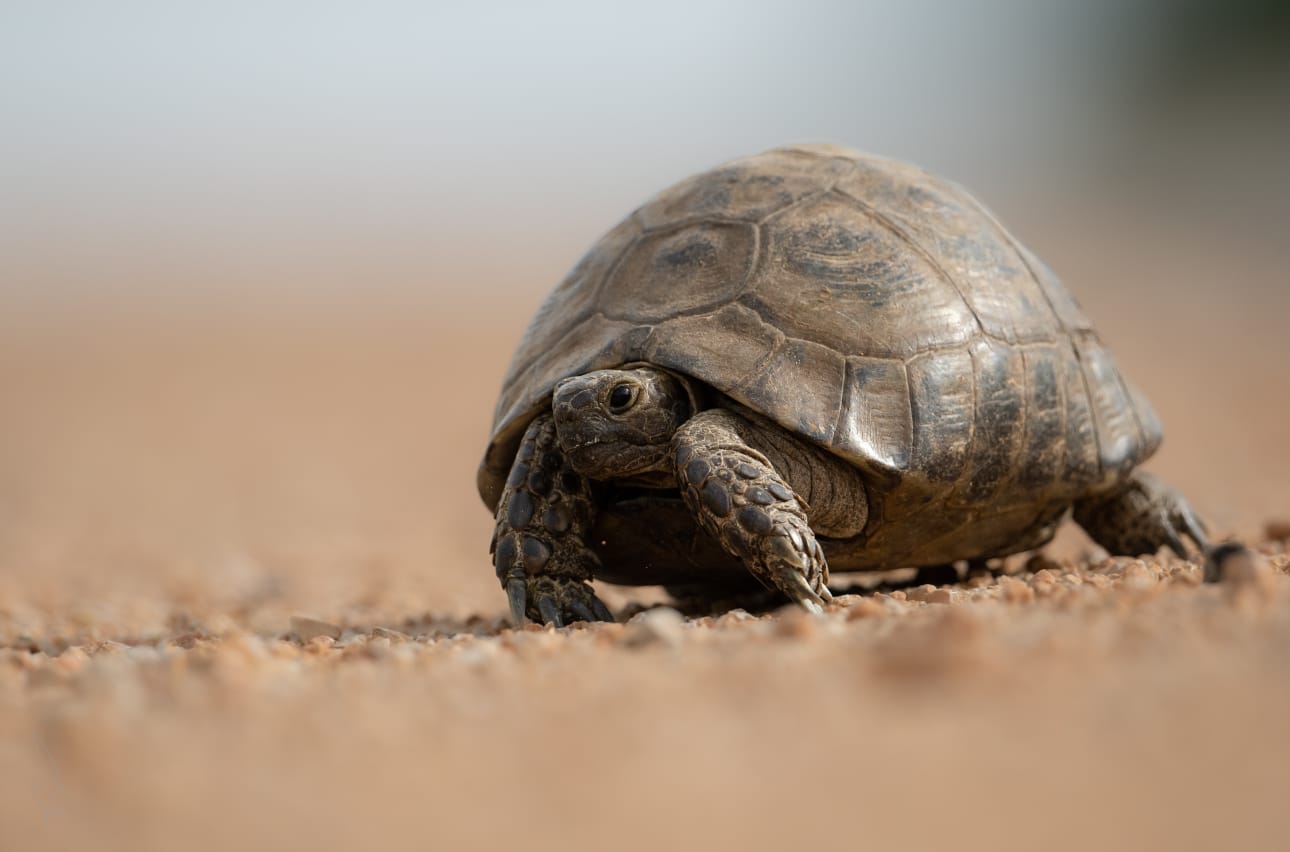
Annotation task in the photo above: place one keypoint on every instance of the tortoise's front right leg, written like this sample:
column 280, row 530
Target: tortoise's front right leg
column 539, row 547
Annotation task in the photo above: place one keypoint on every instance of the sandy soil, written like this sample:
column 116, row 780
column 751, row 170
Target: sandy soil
column 245, row 603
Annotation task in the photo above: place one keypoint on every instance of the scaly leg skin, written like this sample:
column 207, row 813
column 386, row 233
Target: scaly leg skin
column 539, row 547
column 737, row 497
column 1140, row 517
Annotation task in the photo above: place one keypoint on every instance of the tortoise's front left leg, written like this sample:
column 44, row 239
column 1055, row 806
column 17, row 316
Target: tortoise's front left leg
column 738, row 496
column 539, row 547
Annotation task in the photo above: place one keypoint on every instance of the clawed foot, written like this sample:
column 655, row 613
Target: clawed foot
column 794, row 563
column 1140, row 518
column 738, row 497
column 556, row 601
column 539, row 545
column 522, row 560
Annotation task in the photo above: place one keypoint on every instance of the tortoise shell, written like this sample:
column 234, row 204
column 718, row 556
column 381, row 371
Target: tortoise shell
column 867, row 306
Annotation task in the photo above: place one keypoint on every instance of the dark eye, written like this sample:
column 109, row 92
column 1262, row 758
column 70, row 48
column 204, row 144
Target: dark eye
column 621, row 398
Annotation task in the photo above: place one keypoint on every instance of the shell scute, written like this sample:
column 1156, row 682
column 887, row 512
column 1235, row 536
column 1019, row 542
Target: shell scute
column 683, row 270
column 833, row 275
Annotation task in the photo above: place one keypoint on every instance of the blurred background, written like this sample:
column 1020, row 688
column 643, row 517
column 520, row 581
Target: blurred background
column 262, row 264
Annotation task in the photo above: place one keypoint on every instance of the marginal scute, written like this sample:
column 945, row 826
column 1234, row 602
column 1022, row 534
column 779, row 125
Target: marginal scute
column 1117, row 428
column 1152, row 432
column 943, row 391
column 591, row 344
column 776, row 388
column 1069, row 314
column 1083, row 462
column 999, row 416
column 1045, row 420
column 722, row 348
column 875, row 430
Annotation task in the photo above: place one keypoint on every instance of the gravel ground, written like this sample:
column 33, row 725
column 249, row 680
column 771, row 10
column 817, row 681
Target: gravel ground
column 1119, row 704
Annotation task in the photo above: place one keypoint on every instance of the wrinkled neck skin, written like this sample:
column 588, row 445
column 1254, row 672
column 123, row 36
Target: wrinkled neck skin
column 618, row 424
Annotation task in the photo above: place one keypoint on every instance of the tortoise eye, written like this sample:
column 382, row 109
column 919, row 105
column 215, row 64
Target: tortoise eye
column 621, row 398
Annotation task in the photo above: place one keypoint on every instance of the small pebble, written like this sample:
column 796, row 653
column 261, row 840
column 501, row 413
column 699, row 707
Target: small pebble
column 307, row 628
column 72, row 660
column 733, row 617
column 941, row 596
column 320, row 644
column 865, row 608
column 794, row 622
column 1015, row 591
column 389, row 634
column 1138, row 576
column 920, row 593
column 660, row 625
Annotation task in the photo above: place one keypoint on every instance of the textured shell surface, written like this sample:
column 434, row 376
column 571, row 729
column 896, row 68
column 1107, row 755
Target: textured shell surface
column 869, row 307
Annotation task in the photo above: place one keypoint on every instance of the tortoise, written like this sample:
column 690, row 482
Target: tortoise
column 808, row 359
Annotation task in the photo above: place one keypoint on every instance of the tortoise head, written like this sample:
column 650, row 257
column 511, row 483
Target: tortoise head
column 618, row 424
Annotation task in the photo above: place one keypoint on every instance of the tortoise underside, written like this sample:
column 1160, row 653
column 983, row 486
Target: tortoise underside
column 655, row 541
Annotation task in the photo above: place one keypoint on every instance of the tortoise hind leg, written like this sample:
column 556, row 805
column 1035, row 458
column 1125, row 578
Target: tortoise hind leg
column 1140, row 517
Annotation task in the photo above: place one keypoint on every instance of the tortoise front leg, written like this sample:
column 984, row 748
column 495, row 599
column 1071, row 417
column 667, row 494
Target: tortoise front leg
column 739, row 498
column 539, row 547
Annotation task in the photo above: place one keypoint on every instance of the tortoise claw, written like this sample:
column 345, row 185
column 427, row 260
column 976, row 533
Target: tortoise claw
column 799, row 573
column 1172, row 539
column 1185, row 520
column 517, row 596
column 801, row 592
column 602, row 612
column 550, row 611
column 554, row 600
